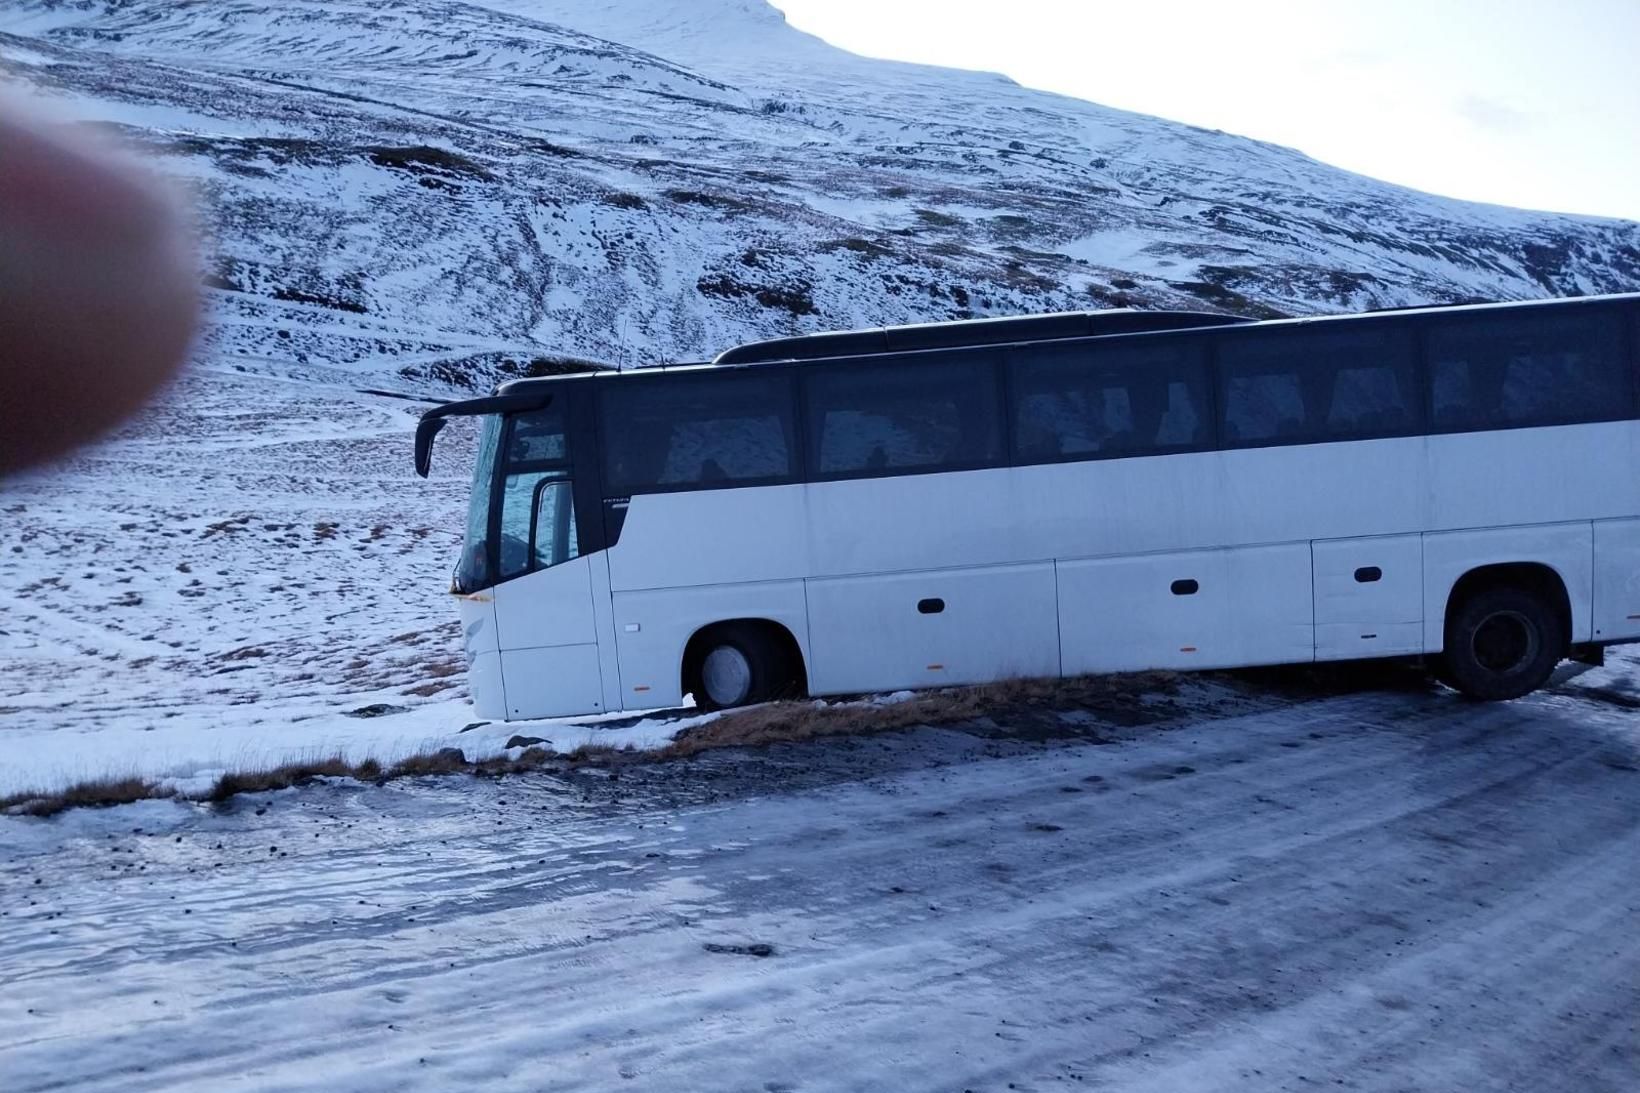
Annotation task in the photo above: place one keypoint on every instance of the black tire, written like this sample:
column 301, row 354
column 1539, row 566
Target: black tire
column 1502, row 643
column 739, row 665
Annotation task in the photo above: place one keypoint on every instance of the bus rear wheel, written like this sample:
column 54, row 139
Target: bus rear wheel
column 1502, row 643
column 739, row 665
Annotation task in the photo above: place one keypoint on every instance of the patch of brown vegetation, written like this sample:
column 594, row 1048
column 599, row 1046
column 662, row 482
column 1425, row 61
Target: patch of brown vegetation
column 531, row 758
column 790, row 722
column 775, row 723
column 594, row 753
column 281, row 777
column 443, row 761
column 99, row 793
column 230, row 526
column 1079, row 691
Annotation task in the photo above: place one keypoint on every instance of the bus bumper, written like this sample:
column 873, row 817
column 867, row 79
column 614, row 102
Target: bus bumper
column 484, row 680
column 478, row 635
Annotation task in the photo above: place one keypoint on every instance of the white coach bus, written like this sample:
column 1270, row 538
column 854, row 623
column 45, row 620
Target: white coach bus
column 1056, row 495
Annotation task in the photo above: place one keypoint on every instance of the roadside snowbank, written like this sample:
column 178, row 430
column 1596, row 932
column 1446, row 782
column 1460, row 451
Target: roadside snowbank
column 190, row 751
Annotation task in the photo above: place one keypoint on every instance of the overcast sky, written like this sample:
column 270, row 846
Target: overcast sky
column 1534, row 103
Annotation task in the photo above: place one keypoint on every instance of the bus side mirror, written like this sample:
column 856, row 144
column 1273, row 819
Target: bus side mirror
column 426, row 430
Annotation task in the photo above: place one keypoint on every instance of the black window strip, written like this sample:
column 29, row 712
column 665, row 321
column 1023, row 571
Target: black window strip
column 1001, row 373
column 797, row 437
column 791, row 431
column 1603, row 314
column 1422, row 412
column 1426, row 384
column 964, row 357
column 1633, row 327
column 587, row 491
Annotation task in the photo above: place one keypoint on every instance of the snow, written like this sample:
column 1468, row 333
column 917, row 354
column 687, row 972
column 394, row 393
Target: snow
column 609, row 159
column 1376, row 891
column 227, row 581
column 1271, row 889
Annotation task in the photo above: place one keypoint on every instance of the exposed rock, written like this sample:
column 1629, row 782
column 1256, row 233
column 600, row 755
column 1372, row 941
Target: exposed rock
column 757, row 949
column 376, row 709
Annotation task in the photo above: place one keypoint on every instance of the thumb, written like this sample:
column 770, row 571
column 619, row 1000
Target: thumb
column 98, row 288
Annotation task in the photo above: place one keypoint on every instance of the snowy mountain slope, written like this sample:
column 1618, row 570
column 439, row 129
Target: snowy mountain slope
column 425, row 196
column 504, row 173
column 730, row 37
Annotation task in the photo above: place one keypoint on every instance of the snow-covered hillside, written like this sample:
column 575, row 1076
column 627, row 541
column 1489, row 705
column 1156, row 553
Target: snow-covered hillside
column 420, row 197
column 644, row 180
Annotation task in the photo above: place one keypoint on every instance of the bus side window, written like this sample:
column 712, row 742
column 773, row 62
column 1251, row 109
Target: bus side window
column 697, row 432
column 1524, row 369
column 1108, row 400
column 1312, row 386
column 1263, row 407
column 553, row 539
column 903, row 416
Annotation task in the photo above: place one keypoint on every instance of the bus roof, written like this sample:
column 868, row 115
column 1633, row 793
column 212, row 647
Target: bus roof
column 969, row 332
column 1029, row 328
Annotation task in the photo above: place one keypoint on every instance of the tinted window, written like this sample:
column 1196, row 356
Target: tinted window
column 903, row 417
column 1080, row 400
column 538, row 436
column 537, row 450
column 1493, row 373
column 473, row 569
column 1305, row 386
column 536, row 506
column 696, row 432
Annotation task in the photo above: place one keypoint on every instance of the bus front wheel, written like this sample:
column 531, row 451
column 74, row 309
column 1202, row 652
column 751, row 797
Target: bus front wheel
column 739, row 665
column 1502, row 643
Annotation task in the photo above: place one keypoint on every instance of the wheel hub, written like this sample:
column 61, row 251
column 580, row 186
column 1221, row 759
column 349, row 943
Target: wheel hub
column 726, row 676
column 1505, row 642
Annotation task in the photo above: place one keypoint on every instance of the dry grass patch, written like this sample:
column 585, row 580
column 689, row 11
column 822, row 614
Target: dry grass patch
column 1077, row 692
column 790, row 722
column 443, row 761
column 531, row 758
column 97, row 793
column 776, row 723
column 281, row 777
column 593, row 753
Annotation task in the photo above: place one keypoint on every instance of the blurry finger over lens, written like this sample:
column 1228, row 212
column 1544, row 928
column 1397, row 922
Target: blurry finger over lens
column 98, row 292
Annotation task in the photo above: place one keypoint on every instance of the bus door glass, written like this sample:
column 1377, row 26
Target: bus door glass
column 536, row 523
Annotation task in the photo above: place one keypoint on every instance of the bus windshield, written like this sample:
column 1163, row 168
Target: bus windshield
column 534, row 526
column 473, row 569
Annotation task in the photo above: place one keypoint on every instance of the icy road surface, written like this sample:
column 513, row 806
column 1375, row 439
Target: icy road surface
column 1381, row 891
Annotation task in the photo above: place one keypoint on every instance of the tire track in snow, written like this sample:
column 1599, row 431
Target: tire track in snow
column 1376, row 905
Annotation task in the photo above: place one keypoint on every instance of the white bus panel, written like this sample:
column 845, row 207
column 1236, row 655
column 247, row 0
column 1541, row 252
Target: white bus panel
column 893, row 630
